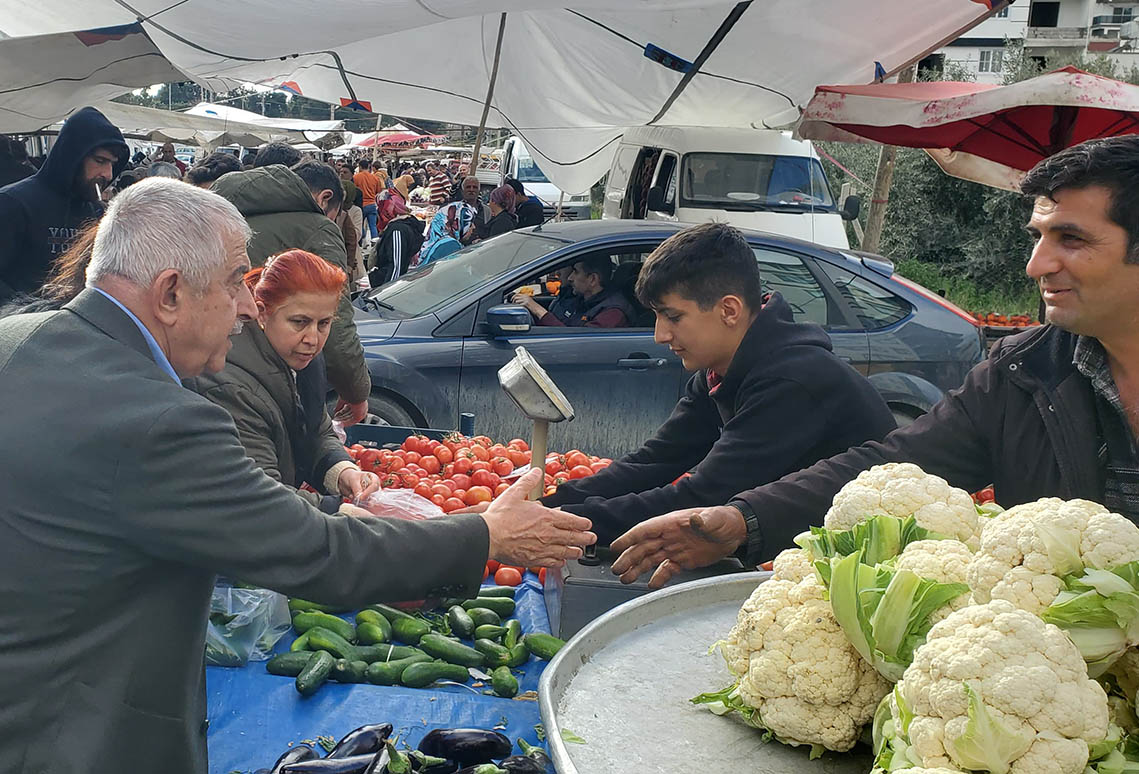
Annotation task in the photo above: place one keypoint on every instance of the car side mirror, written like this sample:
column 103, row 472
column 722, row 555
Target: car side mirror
column 656, row 201
column 508, row 320
column 851, row 207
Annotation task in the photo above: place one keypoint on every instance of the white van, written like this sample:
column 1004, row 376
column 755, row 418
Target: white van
column 757, row 179
column 519, row 164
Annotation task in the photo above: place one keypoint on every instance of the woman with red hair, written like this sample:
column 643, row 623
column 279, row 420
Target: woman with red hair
column 274, row 386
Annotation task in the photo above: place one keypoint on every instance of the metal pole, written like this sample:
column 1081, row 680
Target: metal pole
column 376, row 138
column 489, row 97
column 539, row 443
column 880, row 197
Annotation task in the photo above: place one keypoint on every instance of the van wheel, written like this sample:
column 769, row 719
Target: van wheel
column 384, row 410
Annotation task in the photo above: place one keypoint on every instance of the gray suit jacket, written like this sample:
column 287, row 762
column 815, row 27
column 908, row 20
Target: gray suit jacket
column 123, row 495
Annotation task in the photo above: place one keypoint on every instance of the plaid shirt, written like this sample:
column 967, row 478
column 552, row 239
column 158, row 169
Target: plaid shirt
column 1118, row 451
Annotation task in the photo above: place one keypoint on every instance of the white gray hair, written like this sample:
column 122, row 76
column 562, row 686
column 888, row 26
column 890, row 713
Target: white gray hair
column 164, row 169
column 159, row 224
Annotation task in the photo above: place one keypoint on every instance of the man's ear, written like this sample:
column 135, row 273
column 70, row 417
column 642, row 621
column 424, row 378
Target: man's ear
column 167, row 296
column 733, row 311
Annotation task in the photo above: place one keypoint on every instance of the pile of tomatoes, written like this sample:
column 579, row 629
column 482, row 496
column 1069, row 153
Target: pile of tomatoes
column 459, row 472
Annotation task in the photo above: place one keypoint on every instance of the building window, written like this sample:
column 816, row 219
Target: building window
column 1003, row 13
column 1121, row 15
column 991, row 61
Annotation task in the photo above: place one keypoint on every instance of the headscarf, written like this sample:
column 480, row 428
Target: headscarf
column 503, row 196
column 450, row 223
column 403, row 184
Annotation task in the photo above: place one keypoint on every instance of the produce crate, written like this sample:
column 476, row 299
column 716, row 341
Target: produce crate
column 383, row 434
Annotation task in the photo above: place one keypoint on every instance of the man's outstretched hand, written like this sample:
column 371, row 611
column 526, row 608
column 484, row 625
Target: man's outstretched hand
column 526, row 533
column 681, row 540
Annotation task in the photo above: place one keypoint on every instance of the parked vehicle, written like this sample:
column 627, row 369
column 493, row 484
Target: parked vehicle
column 519, row 164
column 434, row 351
column 759, row 179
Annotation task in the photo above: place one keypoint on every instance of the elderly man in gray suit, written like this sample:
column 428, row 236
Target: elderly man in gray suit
column 124, row 495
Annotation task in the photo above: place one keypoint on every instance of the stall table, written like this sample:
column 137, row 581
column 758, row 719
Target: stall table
column 254, row 716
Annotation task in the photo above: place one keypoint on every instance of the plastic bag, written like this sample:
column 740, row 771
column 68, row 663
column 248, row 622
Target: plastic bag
column 400, row 504
column 244, row 625
column 338, row 431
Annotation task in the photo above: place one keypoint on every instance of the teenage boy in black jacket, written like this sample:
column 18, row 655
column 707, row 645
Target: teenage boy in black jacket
column 768, row 396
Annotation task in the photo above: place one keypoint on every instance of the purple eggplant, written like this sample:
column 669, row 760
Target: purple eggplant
column 301, row 752
column 365, row 739
column 521, row 764
column 421, row 763
column 466, row 746
column 354, row 765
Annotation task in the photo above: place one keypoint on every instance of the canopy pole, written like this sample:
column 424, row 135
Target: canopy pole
column 376, row 139
column 489, row 96
column 884, row 177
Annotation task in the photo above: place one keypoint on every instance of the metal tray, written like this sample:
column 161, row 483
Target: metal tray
column 623, row 684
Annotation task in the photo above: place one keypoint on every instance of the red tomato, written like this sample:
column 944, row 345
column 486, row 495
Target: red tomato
column 580, row 471
column 549, row 480
column 423, row 490
column 542, row 576
column 441, row 489
column 607, row 461
column 480, row 453
column 493, row 565
column 459, row 493
column 438, row 499
column 498, row 450
column 412, row 457
column 485, row 478
column 561, row 478
column 431, row 464
column 452, row 504
column 368, row 458
column 410, row 480
column 501, row 488
column 518, row 443
column 461, row 481
column 480, row 465
column 447, row 471
column 576, row 459
column 432, row 445
column 390, row 481
column 481, row 440
column 486, row 572
column 478, row 494
column 356, row 447
column 463, row 465
column 443, row 454
column 597, row 467
column 518, row 458
column 502, row 466
column 401, row 454
column 553, row 467
column 507, row 576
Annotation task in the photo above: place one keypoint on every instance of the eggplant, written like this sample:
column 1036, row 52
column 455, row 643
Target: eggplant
column 354, row 765
column 365, row 739
column 482, row 768
column 466, row 746
column 534, row 753
column 521, row 764
column 421, row 763
column 296, row 754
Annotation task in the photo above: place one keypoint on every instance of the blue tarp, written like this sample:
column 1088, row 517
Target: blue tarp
column 255, row 715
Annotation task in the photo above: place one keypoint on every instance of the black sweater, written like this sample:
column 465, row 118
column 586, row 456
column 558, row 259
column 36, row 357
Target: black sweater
column 785, row 403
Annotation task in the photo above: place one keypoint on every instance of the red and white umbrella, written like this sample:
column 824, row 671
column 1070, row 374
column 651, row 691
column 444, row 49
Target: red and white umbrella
column 397, row 140
column 986, row 133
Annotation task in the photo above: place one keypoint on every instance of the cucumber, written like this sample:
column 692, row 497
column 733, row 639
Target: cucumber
column 345, row 671
column 302, row 605
column 372, row 617
column 300, row 643
column 409, row 630
column 504, row 606
column 462, row 625
column 504, row 683
column 424, row 673
column 451, row 651
column 315, row 673
column 513, row 633
column 497, row 591
column 482, row 616
column 385, row 652
column 320, row 638
column 519, row 655
column 369, row 633
column 388, row 672
column 495, row 654
column 543, row 646
column 489, row 632
column 302, row 622
column 288, row 664
column 391, row 613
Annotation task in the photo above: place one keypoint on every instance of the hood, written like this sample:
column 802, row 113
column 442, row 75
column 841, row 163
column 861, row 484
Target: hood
column 266, row 191
column 774, row 328
column 86, row 130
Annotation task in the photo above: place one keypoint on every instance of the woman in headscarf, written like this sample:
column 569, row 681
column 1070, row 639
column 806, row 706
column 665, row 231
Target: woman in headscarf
column 391, row 203
column 451, row 228
column 502, row 218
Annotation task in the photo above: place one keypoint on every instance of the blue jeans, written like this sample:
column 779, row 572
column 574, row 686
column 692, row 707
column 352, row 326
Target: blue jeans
column 370, row 216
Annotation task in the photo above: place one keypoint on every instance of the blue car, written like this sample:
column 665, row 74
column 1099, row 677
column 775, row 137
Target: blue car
column 432, row 352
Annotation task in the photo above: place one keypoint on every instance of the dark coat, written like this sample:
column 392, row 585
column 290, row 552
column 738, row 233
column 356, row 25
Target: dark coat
column 40, row 215
column 530, row 212
column 128, row 494
column 785, row 402
column 1024, row 421
column 502, row 223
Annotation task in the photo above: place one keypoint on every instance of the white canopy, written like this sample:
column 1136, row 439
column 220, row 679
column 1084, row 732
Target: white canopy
column 314, row 131
column 570, row 80
column 209, row 133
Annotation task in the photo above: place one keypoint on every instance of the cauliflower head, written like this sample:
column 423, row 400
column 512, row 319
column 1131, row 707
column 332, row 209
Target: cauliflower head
column 792, row 564
column 1027, row 550
column 903, row 489
column 995, row 688
column 797, row 668
column 945, row 561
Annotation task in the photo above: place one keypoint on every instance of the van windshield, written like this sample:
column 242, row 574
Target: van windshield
column 529, row 171
column 423, row 290
column 752, row 181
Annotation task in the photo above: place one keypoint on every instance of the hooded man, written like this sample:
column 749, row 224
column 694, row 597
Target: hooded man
column 39, row 215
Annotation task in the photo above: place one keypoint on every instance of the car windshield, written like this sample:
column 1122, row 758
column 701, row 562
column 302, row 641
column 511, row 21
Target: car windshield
column 421, row 291
column 752, row 181
column 529, row 171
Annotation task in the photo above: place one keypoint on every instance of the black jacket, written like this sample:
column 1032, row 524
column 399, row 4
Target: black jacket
column 529, row 212
column 502, row 223
column 1024, row 421
column 785, row 402
column 39, row 215
column 399, row 243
